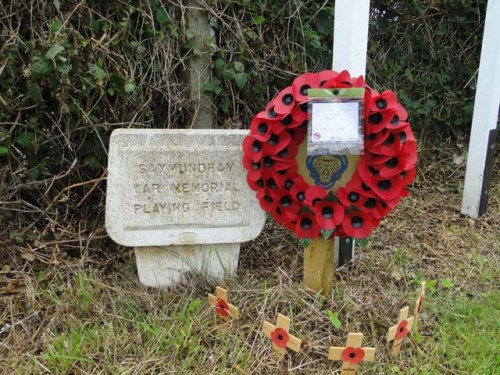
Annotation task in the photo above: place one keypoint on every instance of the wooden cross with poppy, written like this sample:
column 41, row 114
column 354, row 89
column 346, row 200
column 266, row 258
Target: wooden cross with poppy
column 280, row 336
column 398, row 332
column 222, row 307
column 352, row 354
column 420, row 302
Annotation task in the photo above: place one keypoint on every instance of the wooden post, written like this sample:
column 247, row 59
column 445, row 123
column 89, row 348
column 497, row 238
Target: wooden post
column 350, row 45
column 349, row 52
column 484, row 120
column 319, row 266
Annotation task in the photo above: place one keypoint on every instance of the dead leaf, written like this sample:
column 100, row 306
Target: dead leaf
column 458, row 159
column 10, row 288
column 28, row 257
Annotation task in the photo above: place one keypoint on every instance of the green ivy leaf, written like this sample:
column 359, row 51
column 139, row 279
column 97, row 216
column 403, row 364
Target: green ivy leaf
column 213, row 87
column 241, row 80
column 4, row 150
column 259, row 20
column 161, row 16
column 53, row 51
column 97, row 72
column 239, row 67
column 55, row 25
column 129, row 87
column 92, row 162
column 42, row 66
column 219, row 64
column 25, row 139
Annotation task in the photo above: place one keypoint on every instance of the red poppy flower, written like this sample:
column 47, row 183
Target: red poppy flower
column 255, row 185
column 261, row 128
column 394, row 166
column 402, row 330
column 328, row 214
column 270, row 113
column 367, row 171
column 277, row 143
column 340, row 232
column 299, row 114
column 314, row 194
column 288, row 206
column 384, row 101
column 386, row 188
column 389, row 142
column 352, row 355
column 374, row 207
column 299, row 189
column 410, row 149
column 357, row 184
column 377, row 121
column 302, row 84
column 358, row 224
column 350, row 197
column 342, row 80
column 284, row 101
column 408, row 175
column 299, row 134
column 266, row 201
column 290, row 224
column 252, row 148
column 280, row 337
column 307, row 226
column 326, row 75
column 358, row 81
column 256, row 170
column 221, row 307
column 278, row 215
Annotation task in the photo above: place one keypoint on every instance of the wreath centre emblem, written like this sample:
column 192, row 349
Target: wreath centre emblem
column 325, row 170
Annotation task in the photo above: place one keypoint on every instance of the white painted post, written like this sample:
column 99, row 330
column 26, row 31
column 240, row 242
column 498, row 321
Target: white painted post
column 350, row 36
column 350, row 44
column 485, row 116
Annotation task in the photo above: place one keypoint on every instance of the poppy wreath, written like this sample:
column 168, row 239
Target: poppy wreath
column 375, row 188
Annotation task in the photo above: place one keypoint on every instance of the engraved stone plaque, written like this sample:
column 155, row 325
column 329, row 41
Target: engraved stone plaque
column 179, row 187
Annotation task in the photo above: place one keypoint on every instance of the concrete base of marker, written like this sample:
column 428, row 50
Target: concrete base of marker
column 163, row 266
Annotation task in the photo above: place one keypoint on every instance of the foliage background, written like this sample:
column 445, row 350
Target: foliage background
column 72, row 71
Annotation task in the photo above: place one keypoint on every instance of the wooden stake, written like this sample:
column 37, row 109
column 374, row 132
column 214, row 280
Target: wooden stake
column 221, row 305
column 280, row 336
column 352, row 354
column 319, row 265
column 398, row 332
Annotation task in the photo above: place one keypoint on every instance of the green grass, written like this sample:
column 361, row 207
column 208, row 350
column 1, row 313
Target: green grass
column 126, row 332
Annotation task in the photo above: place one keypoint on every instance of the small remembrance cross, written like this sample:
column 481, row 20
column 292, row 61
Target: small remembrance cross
column 222, row 307
column 280, row 336
column 398, row 332
column 352, row 354
column 420, row 301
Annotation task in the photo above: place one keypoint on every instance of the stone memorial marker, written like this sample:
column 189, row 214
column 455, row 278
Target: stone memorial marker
column 180, row 198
